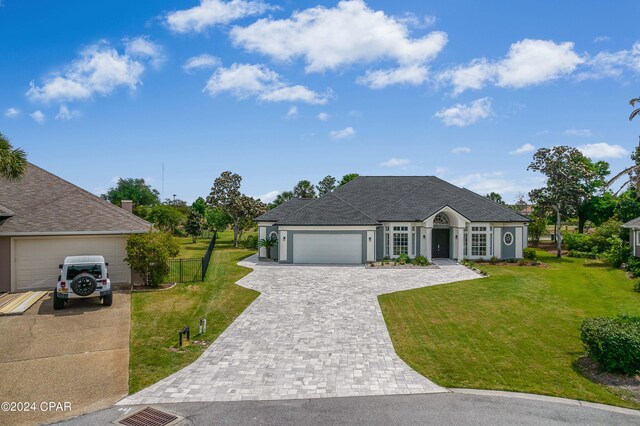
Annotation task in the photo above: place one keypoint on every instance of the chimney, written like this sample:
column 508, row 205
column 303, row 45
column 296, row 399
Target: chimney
column 127, row 205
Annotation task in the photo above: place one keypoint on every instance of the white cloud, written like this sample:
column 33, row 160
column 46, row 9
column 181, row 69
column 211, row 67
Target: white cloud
column 395, row 162
column 461, row 150
column 603, row 150
column 347, row 132
column 484, row 183
column 584, row 133
column 12, row 112
column 142, row 47
column 323, row 116
column 245, row 80
column 600, row 39
column 65, row 114
column 99, row 70
column 37, row 116
column 528, row 62
column 612, row 64
column 349, row 33
column 527, row 147
column 293, row 112
column 462, row 115
column 410, row 75
column 199, row 62
column 441, row 171
column 213, row 12
column 269, row 196
column 412, row 20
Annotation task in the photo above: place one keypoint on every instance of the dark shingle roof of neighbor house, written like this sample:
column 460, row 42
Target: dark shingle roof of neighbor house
column 369, row 200
column 43, row 203
column 284, row 209
column 633, row 223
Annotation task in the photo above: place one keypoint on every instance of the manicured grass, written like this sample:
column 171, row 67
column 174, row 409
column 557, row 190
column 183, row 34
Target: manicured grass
column 157, row 317
column 517, row 330
column 189, row 249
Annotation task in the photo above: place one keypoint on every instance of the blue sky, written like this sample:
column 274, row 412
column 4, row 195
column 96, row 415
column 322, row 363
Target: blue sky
column 283, row 91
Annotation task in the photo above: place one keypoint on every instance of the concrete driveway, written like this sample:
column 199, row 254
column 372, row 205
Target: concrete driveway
column 315, row 331
column 78, row 355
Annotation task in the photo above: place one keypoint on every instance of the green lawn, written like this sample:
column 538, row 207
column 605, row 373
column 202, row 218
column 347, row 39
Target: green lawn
column 517, row 330
column 157, row 317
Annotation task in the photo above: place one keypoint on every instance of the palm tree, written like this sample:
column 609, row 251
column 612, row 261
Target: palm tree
column 13, row 162
column 267, row 243
column 633, row 171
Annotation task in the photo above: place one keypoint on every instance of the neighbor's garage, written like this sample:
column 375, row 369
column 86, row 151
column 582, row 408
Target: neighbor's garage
column 327, row 248
column 37, row 259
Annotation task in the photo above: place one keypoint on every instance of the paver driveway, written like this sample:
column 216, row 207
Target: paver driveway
column 315, row 331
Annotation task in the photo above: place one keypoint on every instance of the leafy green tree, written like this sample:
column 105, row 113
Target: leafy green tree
column 217, row 219
column 13, row 162
column 537, row 227
column 193, row 227
column 199, row 205
column 326, row 185
column 599, row 208
column 281, row 199
column 166, row 218
column 304, row 189
column 628, row 205
column 591, row 185
column 568, row 171
column 496, row 198
column 348, row 178
column 132, row 189
column 148, row 254
column 225, row 194
column 268, row 243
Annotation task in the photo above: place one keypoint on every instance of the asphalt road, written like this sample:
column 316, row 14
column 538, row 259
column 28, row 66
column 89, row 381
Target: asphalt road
column 426, row 409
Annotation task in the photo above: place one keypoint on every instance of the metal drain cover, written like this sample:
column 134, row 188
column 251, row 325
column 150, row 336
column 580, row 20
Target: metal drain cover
column 149, row 416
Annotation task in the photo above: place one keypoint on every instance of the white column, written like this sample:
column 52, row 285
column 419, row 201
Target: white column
column 262, row 235
column 429, row 236
column 460, row 243
column 371, row 246
column 519, row 242
column 282, row 244
column 497, row 242
column 469, row 240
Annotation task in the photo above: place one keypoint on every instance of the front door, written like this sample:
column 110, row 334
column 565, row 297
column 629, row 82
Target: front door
column 440, row 243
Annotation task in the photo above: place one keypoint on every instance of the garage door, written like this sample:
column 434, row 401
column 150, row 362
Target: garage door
column 327, row 248
column 37, row 259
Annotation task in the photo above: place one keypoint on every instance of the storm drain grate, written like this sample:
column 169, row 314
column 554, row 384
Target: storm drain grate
column 149, row 416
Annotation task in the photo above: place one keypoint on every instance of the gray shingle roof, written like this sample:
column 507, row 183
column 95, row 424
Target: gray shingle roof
column 284, row 209
column 373, row 199
column 44, row 203
column 633, row 223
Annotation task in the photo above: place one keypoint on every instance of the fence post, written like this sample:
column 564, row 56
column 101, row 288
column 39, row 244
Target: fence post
column 202, row 269
column 181, row 270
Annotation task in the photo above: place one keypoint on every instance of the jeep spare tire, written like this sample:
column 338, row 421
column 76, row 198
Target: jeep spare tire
column 84, row 284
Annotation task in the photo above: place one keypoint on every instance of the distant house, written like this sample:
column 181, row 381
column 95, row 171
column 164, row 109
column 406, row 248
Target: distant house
column 44, row 218
column 373, row 217
column 634, row 235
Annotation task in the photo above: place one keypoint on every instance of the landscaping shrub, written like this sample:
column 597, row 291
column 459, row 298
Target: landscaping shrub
column 633, row 266
column 493, row 260
column 403, row 259
column 420, row 261
column 577, row 242
column 618, row 252
column 636, row 285
column 149, row 253
column 614, row 343
column 250, row 242
column 530, row 254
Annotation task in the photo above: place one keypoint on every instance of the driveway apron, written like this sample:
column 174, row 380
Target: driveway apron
column 315, row 331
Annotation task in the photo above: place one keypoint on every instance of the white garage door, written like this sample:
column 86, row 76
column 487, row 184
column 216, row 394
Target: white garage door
column 37, row 259
column 327, row 248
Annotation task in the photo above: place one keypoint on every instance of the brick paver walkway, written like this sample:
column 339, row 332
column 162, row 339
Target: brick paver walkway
column 315, row 331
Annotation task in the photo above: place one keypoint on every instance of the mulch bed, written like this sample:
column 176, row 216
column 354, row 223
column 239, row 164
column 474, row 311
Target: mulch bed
column 537, row 265
column 630, row 384
column 380, row 265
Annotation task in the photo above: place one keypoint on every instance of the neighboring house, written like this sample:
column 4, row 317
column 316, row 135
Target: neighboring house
column 373, row 217
column 44, row 218
column 634, row 235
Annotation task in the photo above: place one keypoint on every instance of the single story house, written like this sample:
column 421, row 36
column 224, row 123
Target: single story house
column 373, row 217
column 634, row 235
column 44, row 218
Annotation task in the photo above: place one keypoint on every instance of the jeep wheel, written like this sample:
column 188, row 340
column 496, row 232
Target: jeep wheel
column 58, row 303
column 107, row 300
column 84, row 284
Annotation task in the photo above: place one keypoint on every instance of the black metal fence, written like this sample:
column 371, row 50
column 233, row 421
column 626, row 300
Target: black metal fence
column 186, row 270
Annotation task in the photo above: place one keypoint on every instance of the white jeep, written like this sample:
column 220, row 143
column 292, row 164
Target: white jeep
column 82, row 277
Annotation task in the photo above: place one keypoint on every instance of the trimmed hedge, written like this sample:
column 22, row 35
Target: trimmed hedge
column 530, row 254
column 614, row 343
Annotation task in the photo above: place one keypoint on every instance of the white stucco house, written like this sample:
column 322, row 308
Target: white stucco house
column 373, row 217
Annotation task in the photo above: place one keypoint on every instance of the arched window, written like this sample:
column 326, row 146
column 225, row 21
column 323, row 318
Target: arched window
column 508, row 238
column 441, row 220
column 273, row 235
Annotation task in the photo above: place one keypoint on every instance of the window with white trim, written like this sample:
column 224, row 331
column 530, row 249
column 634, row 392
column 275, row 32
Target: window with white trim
column 386, row 241
column 413, row 241
column 466, row 244
column 400, row 240
column 478, row 241
column 507, row 238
